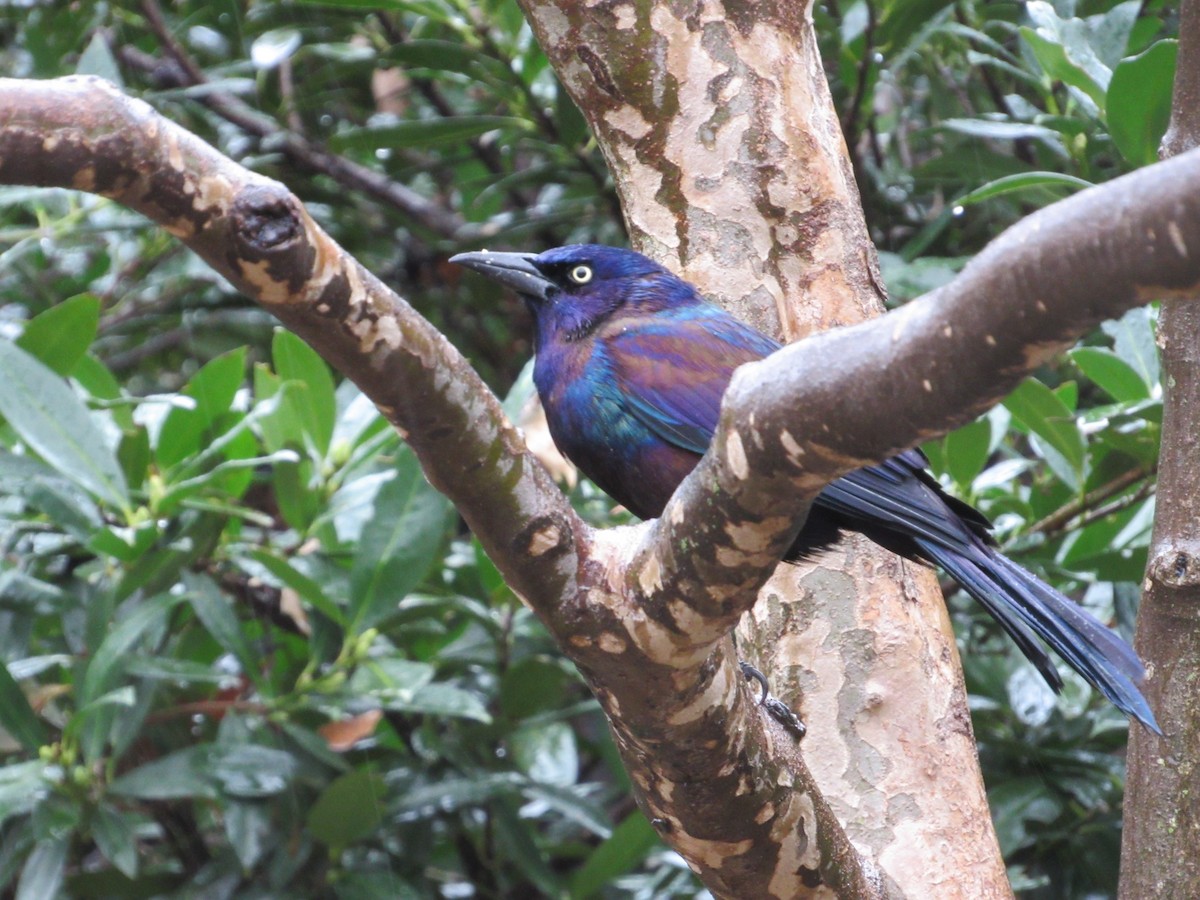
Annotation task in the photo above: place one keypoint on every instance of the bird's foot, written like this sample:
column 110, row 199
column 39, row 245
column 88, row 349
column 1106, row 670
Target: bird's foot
column 777, row 709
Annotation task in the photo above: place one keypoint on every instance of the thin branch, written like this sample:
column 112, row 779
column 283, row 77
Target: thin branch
column 699, row 748
column 434, row 218
column 1059, row 519
column 82, row 133
column 838, row 401
column 645, row 620
column 487, row 154
column 850, row 121
column 1162, row 824
column 549, row 128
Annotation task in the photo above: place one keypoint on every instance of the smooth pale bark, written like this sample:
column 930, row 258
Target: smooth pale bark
column 717, row 122
column 1160, row 850
column 645, row 612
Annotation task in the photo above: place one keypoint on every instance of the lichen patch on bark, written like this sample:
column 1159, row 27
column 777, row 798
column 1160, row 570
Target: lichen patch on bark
column 709, row 853
column 794, row 831
column 719, row 694
column 735, row 455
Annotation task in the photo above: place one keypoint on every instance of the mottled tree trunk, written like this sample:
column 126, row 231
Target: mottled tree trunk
column 1160, row 851
column 717, row 123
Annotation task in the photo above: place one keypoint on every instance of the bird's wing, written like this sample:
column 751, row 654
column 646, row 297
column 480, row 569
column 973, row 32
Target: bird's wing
column 673, row 369
column 901, row 497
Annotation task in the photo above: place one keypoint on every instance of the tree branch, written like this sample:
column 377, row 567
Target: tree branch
column 725, row 786
column 718, row 125
column 693, row 740
column 838, row 401
column 436, row 219
column 82, row 133
column 1162, row 823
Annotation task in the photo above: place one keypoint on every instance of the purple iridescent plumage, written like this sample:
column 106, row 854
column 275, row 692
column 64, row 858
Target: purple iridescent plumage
column 631, row 366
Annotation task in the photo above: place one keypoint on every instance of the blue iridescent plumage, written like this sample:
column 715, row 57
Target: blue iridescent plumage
column 631, row 366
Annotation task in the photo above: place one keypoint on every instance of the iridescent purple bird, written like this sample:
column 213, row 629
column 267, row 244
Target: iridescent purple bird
column 631, row 366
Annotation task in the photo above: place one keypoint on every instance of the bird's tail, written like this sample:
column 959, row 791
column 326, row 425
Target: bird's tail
column 1025, row 606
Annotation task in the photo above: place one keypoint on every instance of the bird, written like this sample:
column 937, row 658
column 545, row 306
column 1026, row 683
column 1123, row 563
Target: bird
column 631, row 363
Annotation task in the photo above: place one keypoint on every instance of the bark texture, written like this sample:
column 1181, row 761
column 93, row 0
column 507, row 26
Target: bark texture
column 647, row 623
column 1160, row 851
column 717, row 120
column 694, row 741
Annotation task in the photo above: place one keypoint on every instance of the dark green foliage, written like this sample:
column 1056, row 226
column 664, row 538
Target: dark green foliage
column 249, row 651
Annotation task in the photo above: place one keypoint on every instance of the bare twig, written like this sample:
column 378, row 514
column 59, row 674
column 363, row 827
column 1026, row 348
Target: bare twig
column 1062, row 517
column 434, row 218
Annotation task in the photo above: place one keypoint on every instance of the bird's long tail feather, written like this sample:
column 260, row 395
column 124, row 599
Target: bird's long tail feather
column 1024, row 607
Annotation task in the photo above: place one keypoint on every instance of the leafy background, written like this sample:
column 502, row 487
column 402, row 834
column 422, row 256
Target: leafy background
column 250, row 652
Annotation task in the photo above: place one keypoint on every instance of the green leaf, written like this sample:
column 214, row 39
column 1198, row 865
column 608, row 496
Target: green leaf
column 61, row 335
column 113, row 830
column 16, row 715
column 571, row 804
column 273, row 47
column 1139, row 102
column 1022, row 182
column 185, row 671
column 1003, row 131
column 307, row 588
column 967, row 451
column 108, row 662
column 390, row 678
column 215, row 613
column 97, row 59
column 250, row 770
column 422, row 133
column 398, row 546
column 441, row 699
column 20, row 590
column 66, row 505
column 623, row 850
column 1064, row 50
column 1110, row 372
column 1108, row 32
column 316, row 406
column 44, row 869
column 904, row 18
column 450, row 56
column 250, row 830
column 1133, row 341
column 348, row 810
column 240, row 770
column 448, row 794
column 1019, row 801
column 52, row 420
column 182, row 774
column 1037, row 408
column 533, row 685
column 518, row 839
column 22, row 787
column 184, row 431
column 95, row 378
column 546, row 752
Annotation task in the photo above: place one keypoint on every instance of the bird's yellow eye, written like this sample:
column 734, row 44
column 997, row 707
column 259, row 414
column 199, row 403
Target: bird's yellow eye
column 581, row 274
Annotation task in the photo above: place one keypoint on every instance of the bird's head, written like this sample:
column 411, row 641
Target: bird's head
column 573, row 289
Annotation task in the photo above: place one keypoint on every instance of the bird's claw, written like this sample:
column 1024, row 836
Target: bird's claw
column 782, row 713
column 753, row 674
column 777, row 709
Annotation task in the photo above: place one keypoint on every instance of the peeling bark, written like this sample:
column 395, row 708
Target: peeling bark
column 647, row 622
column 1159, row 856
column 82, row 133
column 732, row 168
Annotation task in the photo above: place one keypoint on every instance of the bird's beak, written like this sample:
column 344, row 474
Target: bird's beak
column 513, row 270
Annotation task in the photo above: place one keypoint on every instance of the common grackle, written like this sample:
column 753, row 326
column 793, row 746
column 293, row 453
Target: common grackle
column 631, row 366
